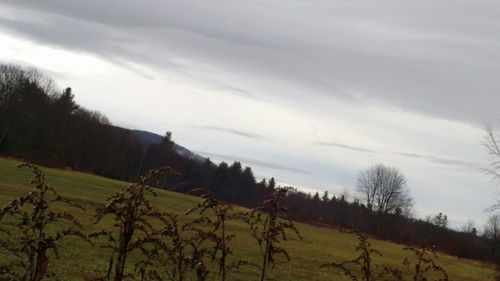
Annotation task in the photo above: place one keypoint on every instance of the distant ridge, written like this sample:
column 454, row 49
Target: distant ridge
column 146, row 137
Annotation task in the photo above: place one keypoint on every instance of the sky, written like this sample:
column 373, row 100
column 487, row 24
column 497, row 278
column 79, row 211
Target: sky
column 310, row 92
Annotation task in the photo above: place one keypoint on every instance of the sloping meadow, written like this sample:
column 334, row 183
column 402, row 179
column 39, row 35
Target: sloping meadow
column 80, row 260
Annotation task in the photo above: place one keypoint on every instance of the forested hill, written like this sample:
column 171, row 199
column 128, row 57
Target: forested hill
column 146, row 138
column 42, row 124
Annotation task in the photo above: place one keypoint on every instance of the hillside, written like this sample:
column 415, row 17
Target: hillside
column 320, row 245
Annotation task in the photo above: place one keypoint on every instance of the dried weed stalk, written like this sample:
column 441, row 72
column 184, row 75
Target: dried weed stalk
column 363, row 263
column 175, row 254
column 425, row 265
column 424, row 269
column 213, row 217
column 133, row 217
column 268, row 225
column 31, row 219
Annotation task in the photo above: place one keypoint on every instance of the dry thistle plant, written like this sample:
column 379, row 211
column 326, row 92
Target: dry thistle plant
column 31, row 223
column 213, row 217
column 176, row 256
column 363, row 263
column 133, row 215
column 165, row 254
column 186, row 251
column 146, row 269
column 425, row 264
column 268, row 225
column 198, row 254
column 177, row 252
column 174, row 252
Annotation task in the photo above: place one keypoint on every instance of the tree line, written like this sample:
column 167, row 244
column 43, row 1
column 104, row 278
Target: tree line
column 43, row 124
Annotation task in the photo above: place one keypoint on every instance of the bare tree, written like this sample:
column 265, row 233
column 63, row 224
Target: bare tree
column 383, row 190
column 492, row 230
column 469, row 228
column 492, row 144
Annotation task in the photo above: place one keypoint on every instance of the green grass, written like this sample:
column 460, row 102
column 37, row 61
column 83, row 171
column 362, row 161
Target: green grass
column 79, row 261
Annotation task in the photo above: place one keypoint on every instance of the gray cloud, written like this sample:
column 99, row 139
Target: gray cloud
column 254, row 162
column 235, row 91
column 232, row 131
column 438, row 58
column 348, row 147
column 445, row 161
column 449, row 163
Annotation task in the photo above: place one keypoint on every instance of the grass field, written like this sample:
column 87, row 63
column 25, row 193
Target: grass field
column 79, row 261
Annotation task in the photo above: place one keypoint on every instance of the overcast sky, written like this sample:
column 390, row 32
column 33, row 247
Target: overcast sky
column 309, row 92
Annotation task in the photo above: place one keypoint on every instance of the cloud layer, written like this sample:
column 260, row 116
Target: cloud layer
column 436, row 58
column 232, row 131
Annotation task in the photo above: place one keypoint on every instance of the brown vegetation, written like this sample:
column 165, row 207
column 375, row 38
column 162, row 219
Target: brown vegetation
column 363, row 268
column 27, row 222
